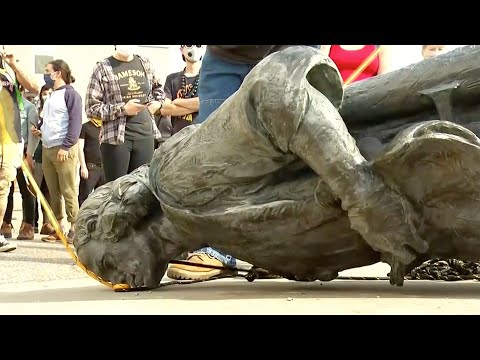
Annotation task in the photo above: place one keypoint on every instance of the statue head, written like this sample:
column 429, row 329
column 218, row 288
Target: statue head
column 117, row 232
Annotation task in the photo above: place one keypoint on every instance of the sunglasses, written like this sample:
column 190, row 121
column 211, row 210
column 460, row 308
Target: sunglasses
column 198, row 46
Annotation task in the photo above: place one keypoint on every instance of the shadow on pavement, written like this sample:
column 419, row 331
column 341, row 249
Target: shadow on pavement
column 46, row 260
column 239, row 289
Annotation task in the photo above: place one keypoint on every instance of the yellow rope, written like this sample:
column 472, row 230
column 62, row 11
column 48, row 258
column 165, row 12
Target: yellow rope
column 5, row 138
column 56, row 225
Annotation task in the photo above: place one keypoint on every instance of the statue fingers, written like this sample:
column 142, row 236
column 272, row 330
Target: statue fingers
column 397, row 272
column 397, row 269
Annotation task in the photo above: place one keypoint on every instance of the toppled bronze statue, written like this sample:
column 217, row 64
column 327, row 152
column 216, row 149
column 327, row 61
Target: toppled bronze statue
column 274, row 177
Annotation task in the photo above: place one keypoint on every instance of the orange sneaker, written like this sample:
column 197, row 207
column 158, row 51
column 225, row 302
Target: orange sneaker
column 192, row 272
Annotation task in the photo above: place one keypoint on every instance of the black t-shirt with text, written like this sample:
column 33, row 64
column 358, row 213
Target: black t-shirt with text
column 90, row 133
column 134, row 84
column 173, row 90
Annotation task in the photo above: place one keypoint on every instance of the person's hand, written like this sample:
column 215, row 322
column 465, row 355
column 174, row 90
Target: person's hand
column 154, row 106
column 36, row 132
column 9, row 58
column 29, row 161
column 84, row 172
column 62, row 155
column 133, row 107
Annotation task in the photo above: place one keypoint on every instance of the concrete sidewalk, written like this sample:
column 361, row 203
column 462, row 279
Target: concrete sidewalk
column 237, row 296
column 41, row 279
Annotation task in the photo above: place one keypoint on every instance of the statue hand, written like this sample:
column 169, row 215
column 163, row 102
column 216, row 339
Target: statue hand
column 397, row 269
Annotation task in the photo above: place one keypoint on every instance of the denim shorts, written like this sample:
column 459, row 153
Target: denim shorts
column 219, row 79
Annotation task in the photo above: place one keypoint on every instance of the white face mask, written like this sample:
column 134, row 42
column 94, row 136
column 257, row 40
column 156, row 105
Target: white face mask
column 193, row 53
column 126, row 50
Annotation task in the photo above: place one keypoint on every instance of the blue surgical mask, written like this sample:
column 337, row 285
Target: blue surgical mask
column 48, row 80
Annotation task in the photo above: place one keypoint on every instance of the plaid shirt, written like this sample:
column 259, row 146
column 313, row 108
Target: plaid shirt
column 104, row 101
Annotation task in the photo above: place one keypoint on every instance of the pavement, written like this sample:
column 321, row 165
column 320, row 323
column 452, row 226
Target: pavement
column 42, row 278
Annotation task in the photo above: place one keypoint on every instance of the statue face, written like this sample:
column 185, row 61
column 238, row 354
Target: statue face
column 118, row 232
column 130, row 260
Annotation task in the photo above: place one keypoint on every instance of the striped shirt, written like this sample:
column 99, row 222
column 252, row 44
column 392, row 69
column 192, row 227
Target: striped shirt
column 104, row 101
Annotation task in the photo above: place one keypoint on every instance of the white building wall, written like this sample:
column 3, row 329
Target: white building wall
column 403, row 55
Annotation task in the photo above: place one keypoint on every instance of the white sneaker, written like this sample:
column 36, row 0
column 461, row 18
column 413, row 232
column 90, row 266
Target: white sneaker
column 5, row 246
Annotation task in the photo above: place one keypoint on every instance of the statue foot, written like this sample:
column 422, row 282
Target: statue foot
column 385, row 220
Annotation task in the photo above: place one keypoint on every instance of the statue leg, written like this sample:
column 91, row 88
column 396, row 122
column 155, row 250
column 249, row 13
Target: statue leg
column 295, row 95
column 383, row 217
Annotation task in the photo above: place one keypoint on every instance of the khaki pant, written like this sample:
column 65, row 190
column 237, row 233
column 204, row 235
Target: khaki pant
column 10, row 159
column 61, row 181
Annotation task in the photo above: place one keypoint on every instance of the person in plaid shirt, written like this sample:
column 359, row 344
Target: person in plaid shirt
column 124, row 93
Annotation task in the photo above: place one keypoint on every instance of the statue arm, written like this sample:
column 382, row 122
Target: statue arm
column 313, row 129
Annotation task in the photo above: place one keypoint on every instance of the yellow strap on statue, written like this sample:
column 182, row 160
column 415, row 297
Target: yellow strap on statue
column 53, row 220
column 7, row 127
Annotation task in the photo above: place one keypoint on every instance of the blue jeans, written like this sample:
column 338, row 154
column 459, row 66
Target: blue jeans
column 219, row 79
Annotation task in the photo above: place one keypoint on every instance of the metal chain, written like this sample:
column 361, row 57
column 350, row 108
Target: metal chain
column 437, row 269
column 446, row 270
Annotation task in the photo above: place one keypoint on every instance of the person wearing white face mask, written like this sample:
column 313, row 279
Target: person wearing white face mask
column 181, row 89
column 124, row 93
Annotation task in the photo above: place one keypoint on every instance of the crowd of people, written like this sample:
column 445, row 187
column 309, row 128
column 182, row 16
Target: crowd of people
column 130, row 113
